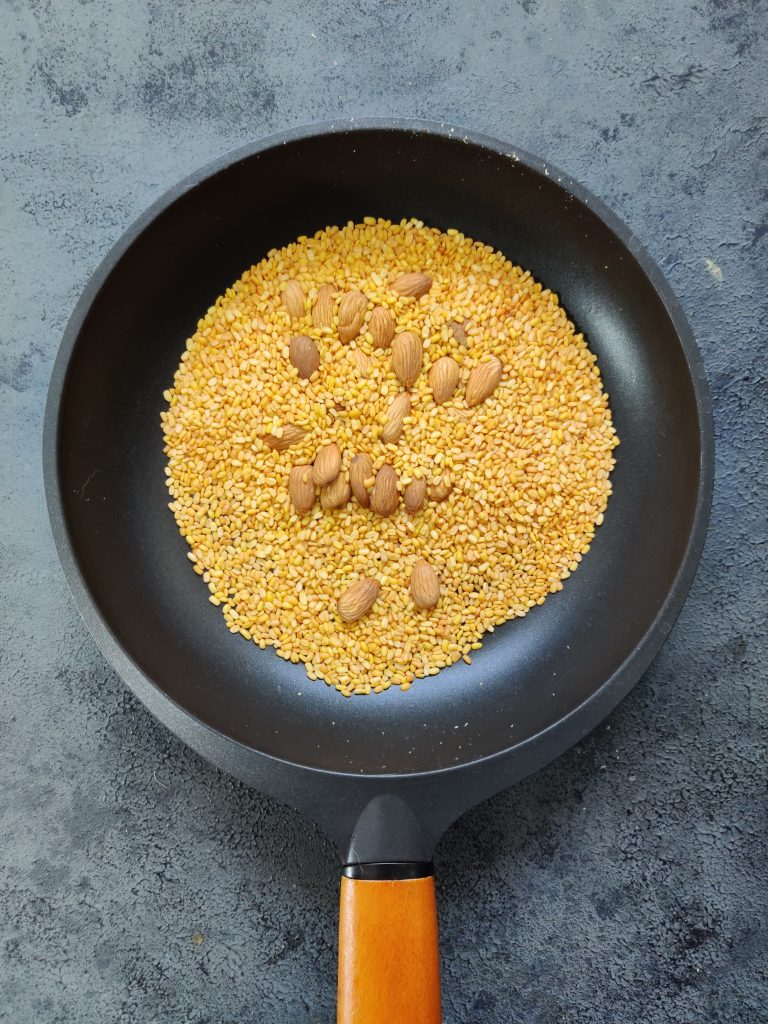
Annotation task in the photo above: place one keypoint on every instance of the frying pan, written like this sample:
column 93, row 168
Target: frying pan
column 384, row 775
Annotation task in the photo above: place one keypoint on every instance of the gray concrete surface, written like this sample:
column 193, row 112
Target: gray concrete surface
column 625, row 883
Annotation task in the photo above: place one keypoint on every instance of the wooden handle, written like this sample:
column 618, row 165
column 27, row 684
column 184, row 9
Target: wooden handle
column 389, row 967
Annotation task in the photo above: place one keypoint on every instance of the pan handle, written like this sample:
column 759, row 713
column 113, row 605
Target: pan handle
column 389, row 967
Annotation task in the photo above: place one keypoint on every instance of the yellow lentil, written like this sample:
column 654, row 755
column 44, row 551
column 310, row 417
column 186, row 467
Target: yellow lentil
column 528, row 468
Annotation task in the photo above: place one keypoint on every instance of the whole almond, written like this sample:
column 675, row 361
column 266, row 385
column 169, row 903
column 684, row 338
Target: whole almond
column 301, row 489
column 291, row 434
column 351, row 315
column 384, row 499
column 327, row 464
column 304, row 355
column 322, row 311
column 414, row 495
column 362, row 361
column 357, row 600
column 415, row 284
column 399, row 408
column 407, row 353
column 441, row 488
column 292, row 298
column 425, row 586
column 444, row 378
column 382, row 327
column 483, row 381
column 335, row 494
column 459, row 331
column 360, row 470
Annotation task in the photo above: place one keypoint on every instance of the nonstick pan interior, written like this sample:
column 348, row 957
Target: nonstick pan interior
column 126, row 339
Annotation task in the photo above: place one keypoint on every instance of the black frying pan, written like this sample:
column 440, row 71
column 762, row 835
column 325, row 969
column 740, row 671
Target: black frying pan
column 384, row 775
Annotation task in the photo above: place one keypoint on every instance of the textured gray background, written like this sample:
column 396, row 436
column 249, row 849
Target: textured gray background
column 627, row 882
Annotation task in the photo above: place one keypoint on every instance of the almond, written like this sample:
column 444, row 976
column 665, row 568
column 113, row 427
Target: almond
column 360, row 470
column 382, row 327
column 335, row 494
column 351, row 315
column 304, row 355
column 384, row 499
column 444, row 378
column 362, row 361
column 301, row 489
column 415, row 284
column 459, row 331
column 291, row 434
column 407, row 353
column 327, row 464
column 483, row 381
column 441, row 488
column 357, row 600
column 425, row 586
column 292, row 297
column 399, row 408
column 322, row 311
column 414, row 495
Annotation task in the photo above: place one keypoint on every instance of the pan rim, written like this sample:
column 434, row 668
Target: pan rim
column 271, row 768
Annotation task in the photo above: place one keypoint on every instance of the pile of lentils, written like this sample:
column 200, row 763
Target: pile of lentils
column 383, row 441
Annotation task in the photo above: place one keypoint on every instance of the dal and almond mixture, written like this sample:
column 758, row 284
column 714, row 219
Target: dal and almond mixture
column 382, row 442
